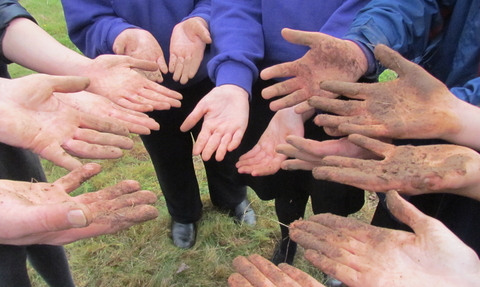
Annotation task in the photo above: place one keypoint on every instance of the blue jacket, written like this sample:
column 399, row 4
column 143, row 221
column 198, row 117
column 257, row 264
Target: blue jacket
column 93, row 25
column 246, row 33
column 442, row 36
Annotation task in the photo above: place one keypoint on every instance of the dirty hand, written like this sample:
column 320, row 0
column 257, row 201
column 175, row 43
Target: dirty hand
column 307, row 154
column 44, row 213
column 114, row 77
column 96, row 105
column 359, row 254
column 262, row 159
column 32, row 118
column 258, row 271
column 141, row 44
column 225, row 117
column 409, row 169
column 187, row 46
column 329, row 58
column 415, row 105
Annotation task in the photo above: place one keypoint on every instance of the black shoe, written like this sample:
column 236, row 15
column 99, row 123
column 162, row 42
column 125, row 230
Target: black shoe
column 184, row 234
column 284, row 252
column 244, row 213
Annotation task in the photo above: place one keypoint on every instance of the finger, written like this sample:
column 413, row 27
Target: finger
column 162, row 90
column 186, row 70
column 102, row 124
column 162, row 64
column 299, row 276
column 109, row 192
column 237, row 280
column 378, row 147
column 301, row 37
column 75, row 178
column 193, row 118
column 132, row 106
column 178, row 69
column 158, row 101
column 333, row 268
column 289, row 101
column 172, row 64
column 194, row 66
column 222, row 147
column 272, row 272
column 67, row 84
column 357, row 91
column 303, row 107
column 56, row 154
column 393, row 60
column 338, row 107
column 236, row 139
column 126, row 200
column 210, row 146
column 295, row 164
column 104, row 139
column 281, row 88
column 374, row 131
column 82, row 149
column 277, row 71
column 332, row 121
column 204, row 35
column 146, row 65
column 243, row 266
column 333, row 132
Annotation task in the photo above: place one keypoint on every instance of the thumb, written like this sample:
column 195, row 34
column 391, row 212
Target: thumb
column 67, row 84
column 204, row 34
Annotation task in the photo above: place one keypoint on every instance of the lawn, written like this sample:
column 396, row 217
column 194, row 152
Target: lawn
column 144, row 255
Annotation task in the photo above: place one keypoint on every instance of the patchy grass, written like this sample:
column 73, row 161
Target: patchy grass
column 144, row 255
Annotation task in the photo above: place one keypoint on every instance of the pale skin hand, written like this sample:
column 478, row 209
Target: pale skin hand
column 416, row 105
column 329, row 58
column 44, row 213
column 408, row 169
column 114, row 77
column 307, row 154
column 255, row 270
column 96, row 105
column 262, row 159
column 225, row 117
column 359, row 254
column 140, row 44
column 187, row 47
column 32, row 118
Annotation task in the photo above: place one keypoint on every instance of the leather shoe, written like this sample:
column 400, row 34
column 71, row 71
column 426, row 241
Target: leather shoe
column 184, row 234
column 244, row 213
column 284, row 252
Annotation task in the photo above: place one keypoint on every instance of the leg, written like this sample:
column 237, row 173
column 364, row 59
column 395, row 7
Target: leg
column 51, row 262
column 13, row 266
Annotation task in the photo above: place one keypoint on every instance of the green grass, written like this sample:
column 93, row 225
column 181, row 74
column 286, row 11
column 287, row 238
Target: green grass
column 144, row 255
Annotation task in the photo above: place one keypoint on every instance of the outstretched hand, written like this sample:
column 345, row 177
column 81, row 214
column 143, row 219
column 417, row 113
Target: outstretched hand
column 141, row 44
column 96, row 105
column 32, row 118
column 115, row 77
column 411, row 170
column 225, row 118
column 415, row 105
column 329, row 58
column 361, row 255
column 44, row 213
column 187, row 47
column 258, row 271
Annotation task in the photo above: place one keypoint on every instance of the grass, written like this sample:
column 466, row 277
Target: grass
column 144, row 255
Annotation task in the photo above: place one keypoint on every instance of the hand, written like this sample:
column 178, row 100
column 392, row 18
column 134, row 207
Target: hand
column 44, row 213
column 113, row 77
column 34, row 119
column 140, row 44
column 96, row 105
column 408, row 169
column 263, row 159
column 329, row 58
column 225, row 118
column 359, row 254
column 309, row 154
column 187, row 46
column 258, row 271
column 416, row 105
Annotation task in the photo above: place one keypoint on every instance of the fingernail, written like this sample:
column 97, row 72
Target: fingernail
column 77, row 218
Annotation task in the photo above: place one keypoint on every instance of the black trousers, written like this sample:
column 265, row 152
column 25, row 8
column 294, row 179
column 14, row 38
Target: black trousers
column 49, row 261
column 292, row 189
column 171, row 154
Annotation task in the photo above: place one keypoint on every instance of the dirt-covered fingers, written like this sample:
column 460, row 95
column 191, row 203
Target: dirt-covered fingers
column 332, row 267
column 103, row 139
column 299, row 276
column 250, row 272
column 110, row 192
column 75, row 178
column 237, row 280
column 336, row 106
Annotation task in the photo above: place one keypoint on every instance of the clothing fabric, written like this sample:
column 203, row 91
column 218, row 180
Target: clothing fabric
column 442, row 37
column 93, row 26
column 19, row 164
column 246, row 38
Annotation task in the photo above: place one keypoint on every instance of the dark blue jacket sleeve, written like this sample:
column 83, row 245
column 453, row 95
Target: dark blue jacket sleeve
column 470, row 92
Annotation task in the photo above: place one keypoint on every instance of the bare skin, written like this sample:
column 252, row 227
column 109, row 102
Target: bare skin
column 408, row 169
column 329, row 58
column 136, row 122
column 359, row 254
column 258, row 271
column 140, row 44
column 187, row 47
column 32, row 118
column 44, row 213
column 415, row 105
